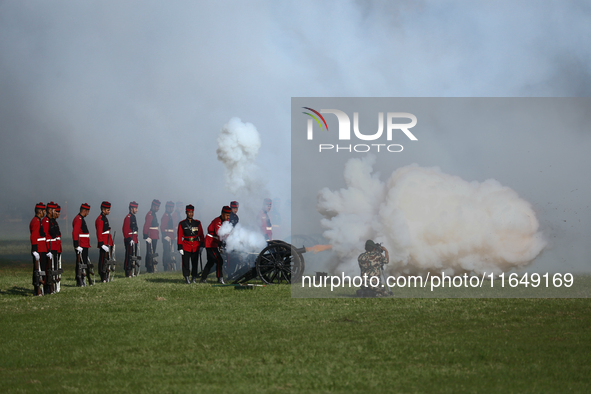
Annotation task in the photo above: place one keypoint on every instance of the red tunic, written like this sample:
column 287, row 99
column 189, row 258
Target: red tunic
column 103, row 231
column 80, row 233
column 166, row 226
column 130, row 228
column 265, row 224
column 151, row 226
column 213, row 240
column 190, row 235
column 37, row 236
column 45, row 225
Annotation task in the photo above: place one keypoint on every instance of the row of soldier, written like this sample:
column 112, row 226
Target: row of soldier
column 46, row 245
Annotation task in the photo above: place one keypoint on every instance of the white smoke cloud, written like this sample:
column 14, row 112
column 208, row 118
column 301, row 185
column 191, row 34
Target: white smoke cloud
column 429, row 221
column 238, row 147
column 242, row 239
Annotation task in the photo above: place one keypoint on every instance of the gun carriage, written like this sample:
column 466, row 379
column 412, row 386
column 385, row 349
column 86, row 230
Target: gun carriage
column 278, row 262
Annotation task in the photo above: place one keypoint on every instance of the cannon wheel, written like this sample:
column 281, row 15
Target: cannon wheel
column 279, row 262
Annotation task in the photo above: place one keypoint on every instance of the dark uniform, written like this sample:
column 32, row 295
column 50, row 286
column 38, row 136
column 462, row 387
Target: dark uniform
column 168, row 231
column 234, row 219
column 151, row 235
column 130, row 230
column 190, row 241
column 370, row 264
column 38, row 249
column 212, row 246
column 81, row 239
column 103, row 235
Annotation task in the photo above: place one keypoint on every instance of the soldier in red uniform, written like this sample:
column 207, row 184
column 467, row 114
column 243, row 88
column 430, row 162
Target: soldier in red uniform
column 177, row 214
column 51, row 266
column 81, row 238
column 38, row 249
column 56, row 236
column 130, row 229
column 151, row 235
column 213, row 244
column 265, row 220
column 190, row 241
column 105, row 240
column 168, row 237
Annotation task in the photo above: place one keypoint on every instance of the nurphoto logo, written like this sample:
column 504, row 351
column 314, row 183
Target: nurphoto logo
column 345, row 130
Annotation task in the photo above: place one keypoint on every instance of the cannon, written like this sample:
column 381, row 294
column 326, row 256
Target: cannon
column 278, row 262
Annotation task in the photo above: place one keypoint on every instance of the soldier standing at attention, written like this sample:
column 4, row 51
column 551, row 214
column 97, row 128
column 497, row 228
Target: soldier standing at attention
column 81, row 239
column 168, row 236
column 51, row 248
column 370, row 264
column 190, row 240
column 212, row 246
column 38, row 248
column 56, row 235
column 130, row 229
column 105, row 240
column 151, row 234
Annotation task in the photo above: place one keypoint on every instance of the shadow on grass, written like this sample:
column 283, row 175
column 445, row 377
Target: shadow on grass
column 18, row 291
column 166, row 280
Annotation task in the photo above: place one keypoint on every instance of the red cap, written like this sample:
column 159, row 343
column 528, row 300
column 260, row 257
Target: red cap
column 133, row 204
column 40, row 205
column 51, row 205
column 234, row 204
column 105, row 204
column 189, row 208
column 58, row 208
column 85, row 206
column 169, row 204
column 156, row 202
column 226, row 209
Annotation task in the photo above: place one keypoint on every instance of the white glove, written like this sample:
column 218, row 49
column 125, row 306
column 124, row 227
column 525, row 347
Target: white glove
column 182, row 252
column 149, row 240
column 50, row 256
column 36, row 255
column 131, row 242
column 79, row 249
column 105, row 248
column 167, row 238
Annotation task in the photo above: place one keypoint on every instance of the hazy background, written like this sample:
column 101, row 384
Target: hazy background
column 124, row 100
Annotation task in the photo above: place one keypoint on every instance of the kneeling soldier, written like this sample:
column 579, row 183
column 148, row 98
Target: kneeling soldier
column 190, row 241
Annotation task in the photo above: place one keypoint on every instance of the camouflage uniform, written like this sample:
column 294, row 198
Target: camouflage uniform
column 370, row 264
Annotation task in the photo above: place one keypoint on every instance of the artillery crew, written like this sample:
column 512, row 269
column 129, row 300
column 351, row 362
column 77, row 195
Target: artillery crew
column 81, row 239
column 213, row 244
column 190, row 241
column 38, row 249
column 105, row 240
column 168, row 237
column 234, row 219
column 130, row 229
column 151, row 235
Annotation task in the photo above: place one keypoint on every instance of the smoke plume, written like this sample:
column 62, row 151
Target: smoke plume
column 429, row 221
column 242, row 239
column 238, row 147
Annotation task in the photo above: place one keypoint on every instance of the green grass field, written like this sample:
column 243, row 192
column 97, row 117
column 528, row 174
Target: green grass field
column 155, row 334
